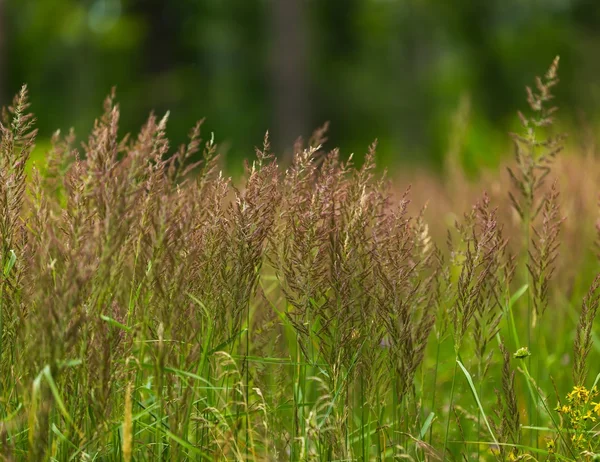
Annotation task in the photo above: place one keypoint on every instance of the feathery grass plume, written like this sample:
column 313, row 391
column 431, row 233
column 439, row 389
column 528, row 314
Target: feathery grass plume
column 534, row 153
column 407, row 278
column 169, row 256
column 507, row 426
column 301, row 243
column 324, row 312
column 253, row 217
column 111, row 195
column 489, row 309
column 58, row 158
column 63, row 258
column 181, row 164
column 355, row 207
column 478, row 259
column 477, row 262
column 61, row 263
column 583, row 336
column 544, row 251
column 354, row 325
column 17, row 138
column 287, row 316
column 374, row 367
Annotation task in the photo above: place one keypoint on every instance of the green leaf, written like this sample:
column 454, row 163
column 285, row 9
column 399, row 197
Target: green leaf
column 10, row 263
column 426, row 425
column 476, row 396
column 200, row 304
column 59, row 402
column 596, row 381
column 517, row 295
column 115, row 323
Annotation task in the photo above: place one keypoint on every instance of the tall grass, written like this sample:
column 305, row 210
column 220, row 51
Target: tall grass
column 151, row 309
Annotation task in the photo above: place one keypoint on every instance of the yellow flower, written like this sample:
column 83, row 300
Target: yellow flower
column 578, row 440
column 588, row 416
column 551, row 446
column 564, row 409
column 596, row 408
column 579, row 393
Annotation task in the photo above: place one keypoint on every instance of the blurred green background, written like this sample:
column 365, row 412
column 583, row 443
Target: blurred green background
column 396, row 70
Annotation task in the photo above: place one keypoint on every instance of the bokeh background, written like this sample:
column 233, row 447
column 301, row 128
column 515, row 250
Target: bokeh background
column 401, row 71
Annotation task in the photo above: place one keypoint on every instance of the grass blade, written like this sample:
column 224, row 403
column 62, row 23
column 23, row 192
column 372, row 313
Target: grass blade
column 476, row 396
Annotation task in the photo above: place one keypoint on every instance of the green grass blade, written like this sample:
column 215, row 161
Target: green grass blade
column 426, row 425
column 59, row 402
column 339, row 389
column 115, row 323
column 10, row 263
column 476, row 396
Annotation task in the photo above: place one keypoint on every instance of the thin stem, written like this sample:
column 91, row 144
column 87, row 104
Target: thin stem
column 480, row 377
column 362, row 415
column 378, row 422
column 450, row 407
column 435, row 373
column 527, row 225
column 247, row 375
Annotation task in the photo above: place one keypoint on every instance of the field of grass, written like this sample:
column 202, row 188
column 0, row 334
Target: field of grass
column 151, row 309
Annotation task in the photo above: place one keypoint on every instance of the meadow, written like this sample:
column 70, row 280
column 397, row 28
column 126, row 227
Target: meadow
column 153, row 309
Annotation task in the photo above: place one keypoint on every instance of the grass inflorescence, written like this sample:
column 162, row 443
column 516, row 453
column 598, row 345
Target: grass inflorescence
column 153, row 309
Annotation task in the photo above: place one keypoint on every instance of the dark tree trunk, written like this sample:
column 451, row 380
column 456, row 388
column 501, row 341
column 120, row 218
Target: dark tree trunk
column 288, row 72
column 160, row 44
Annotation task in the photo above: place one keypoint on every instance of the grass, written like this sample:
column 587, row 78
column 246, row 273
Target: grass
column 151, row 309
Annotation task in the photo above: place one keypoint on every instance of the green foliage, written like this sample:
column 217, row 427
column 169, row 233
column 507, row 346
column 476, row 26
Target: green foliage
column 391, row 69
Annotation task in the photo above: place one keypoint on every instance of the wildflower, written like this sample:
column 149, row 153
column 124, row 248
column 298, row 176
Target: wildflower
column 579, row 394
column 577, row 439
column 588, row 416
column 522, row 353
column 551, row 446
column 564, row 409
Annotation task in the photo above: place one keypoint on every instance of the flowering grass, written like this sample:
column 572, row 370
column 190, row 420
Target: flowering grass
column 151, row 309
